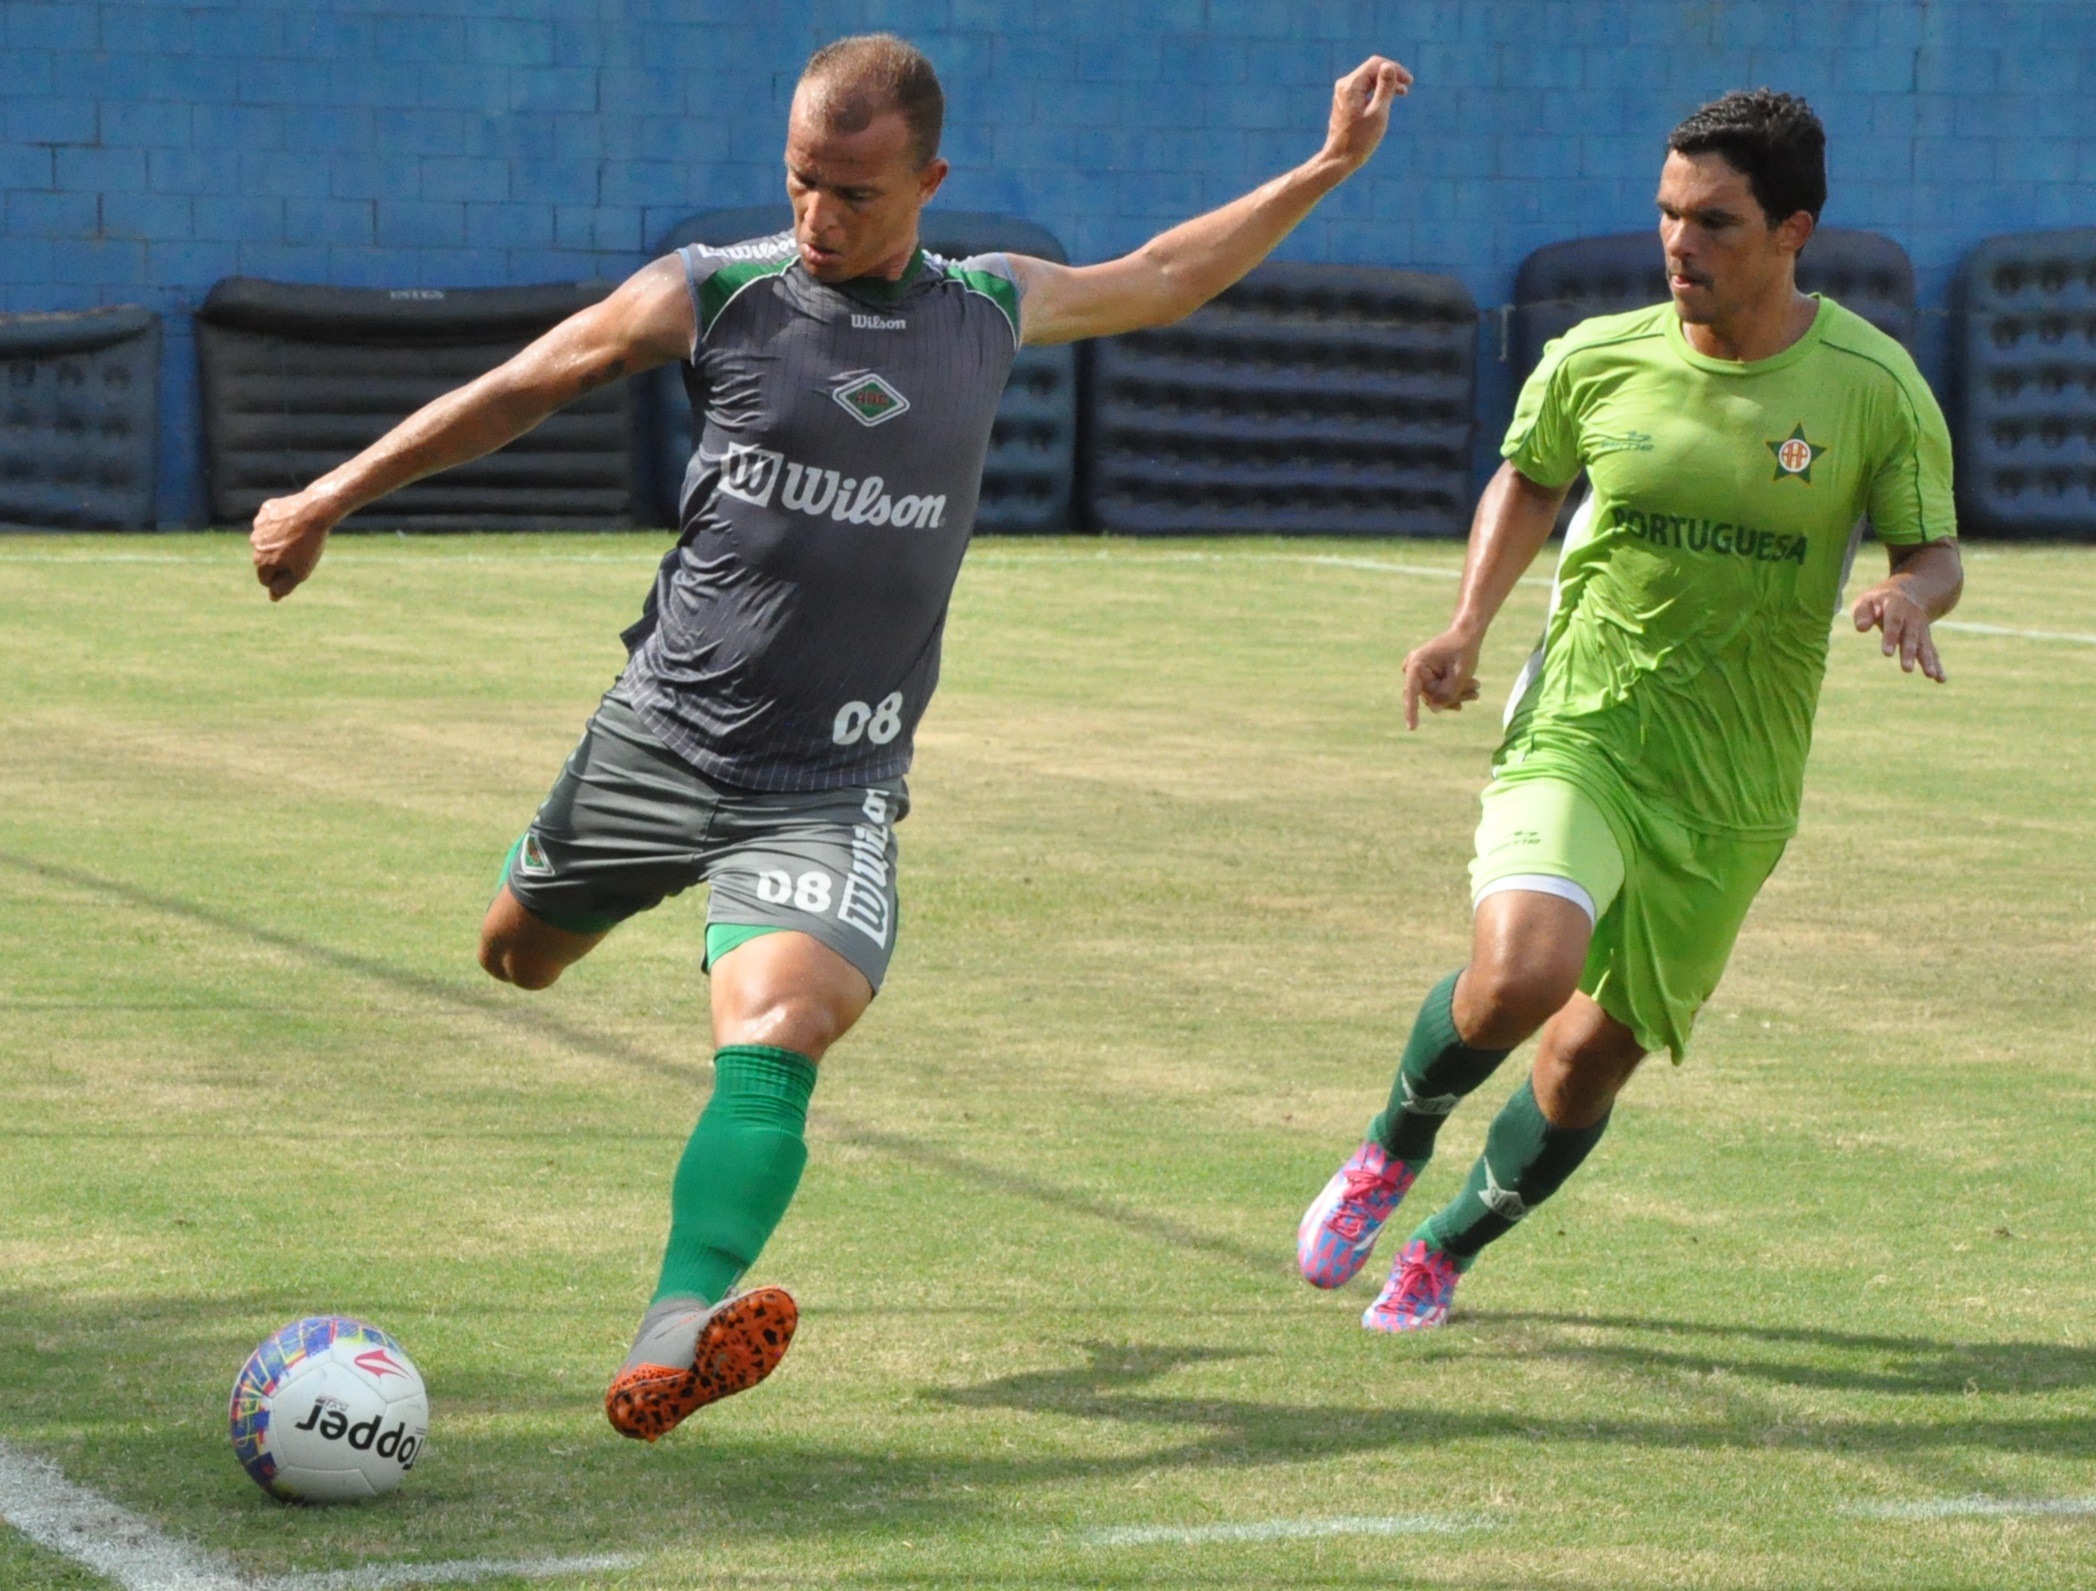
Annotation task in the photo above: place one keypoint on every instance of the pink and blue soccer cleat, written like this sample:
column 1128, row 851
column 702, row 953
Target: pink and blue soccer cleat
column 1422, row 1285
column 1339, row 1229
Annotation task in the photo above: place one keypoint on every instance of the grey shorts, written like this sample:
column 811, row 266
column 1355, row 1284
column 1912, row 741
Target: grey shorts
column 628, row 823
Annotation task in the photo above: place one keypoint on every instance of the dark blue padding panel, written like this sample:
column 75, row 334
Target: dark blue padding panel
column 1563, row 284
column 79, row 419
column 296, row 379
column 1033, row 445
column 2024, row 423
column 1318, row 400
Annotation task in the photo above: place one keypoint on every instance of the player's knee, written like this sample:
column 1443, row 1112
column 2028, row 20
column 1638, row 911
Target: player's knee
column 506, row 963
column 808, row 1024
column 1497, row 1006
column 807, row 1027
column 1576, row 1089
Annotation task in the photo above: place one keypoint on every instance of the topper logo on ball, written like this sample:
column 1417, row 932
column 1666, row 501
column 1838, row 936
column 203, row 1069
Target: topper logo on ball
column 327, row 1420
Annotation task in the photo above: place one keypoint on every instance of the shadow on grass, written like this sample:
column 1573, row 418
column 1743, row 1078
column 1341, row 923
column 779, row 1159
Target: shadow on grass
column 1877, row 1362
column 485, row 999
column 1111, row 1387
column 522, row 1463
column 775, row 1476
column 512, row 1009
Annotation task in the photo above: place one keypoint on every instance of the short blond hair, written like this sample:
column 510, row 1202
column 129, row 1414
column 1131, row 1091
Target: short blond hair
column 851, row 81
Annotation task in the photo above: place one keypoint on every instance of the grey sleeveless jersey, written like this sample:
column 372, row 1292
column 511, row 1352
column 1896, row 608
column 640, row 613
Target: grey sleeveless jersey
column 791, row 641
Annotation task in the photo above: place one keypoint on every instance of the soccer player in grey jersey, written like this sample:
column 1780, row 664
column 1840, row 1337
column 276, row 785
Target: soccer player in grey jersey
column 843, row 388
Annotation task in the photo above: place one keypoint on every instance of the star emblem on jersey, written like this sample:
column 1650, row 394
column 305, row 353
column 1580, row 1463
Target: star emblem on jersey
column 870, row 400
column 1795, row 456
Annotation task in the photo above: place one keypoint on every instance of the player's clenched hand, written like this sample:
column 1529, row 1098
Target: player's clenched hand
column 1905, row 624
column 1442, row 673
column 1361, row 110
column 288, row 537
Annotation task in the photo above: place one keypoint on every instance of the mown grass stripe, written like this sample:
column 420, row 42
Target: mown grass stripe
column 459, row 1571
column 1972, row 1507
column 1285, row 1530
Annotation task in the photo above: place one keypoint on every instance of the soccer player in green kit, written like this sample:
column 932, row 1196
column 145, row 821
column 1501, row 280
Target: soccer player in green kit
column 1655, row 746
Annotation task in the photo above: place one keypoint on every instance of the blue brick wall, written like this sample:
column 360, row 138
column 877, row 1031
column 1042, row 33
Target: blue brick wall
column 148, row 147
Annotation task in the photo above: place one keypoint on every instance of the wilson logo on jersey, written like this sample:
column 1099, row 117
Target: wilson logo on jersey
column 870, row 400
column 753, row 475
column 750, row 473
column 1795, row 456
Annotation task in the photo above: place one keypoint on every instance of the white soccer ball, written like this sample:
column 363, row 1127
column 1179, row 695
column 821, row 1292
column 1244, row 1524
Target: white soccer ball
column 329, row 1410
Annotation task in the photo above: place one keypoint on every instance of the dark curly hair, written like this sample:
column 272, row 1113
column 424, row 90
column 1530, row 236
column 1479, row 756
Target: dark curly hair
column 1771, row 139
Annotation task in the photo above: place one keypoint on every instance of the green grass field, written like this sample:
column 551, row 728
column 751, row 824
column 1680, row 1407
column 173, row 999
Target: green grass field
column 1174, row 883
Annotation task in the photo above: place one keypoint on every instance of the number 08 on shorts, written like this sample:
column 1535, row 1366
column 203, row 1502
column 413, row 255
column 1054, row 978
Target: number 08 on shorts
column 629, row 823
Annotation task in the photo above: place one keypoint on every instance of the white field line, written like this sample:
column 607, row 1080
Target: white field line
column 651, row 558
column 1006, row 556
column 2026, row 635
column 81, row 1525
column 1973, row 1507
column 999, row 558
column 1003, row 558
column 1013, row 559
column 1285, row 1530
column 52, row 1512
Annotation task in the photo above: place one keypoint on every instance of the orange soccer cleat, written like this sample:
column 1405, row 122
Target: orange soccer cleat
column 734, row 1345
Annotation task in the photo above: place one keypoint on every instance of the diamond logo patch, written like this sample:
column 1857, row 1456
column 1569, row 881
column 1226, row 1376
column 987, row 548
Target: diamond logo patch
column 870, row 400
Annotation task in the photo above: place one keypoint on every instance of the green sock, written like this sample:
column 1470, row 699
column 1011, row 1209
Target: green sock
column 1525, row 1161
column 1438, row 1069
column 739, row 1170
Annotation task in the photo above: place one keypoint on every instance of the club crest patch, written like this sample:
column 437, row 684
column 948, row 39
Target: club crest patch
column 869, row 399
column 531, row 860
column 1795, row 455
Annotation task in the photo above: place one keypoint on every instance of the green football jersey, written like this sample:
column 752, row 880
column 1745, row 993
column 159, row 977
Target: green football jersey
column 1689, row 622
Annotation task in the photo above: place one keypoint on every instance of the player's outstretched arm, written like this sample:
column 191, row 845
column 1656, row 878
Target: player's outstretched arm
column 1924, row 585
column 1176, row 272
column 646, row 322
column 1514, row 518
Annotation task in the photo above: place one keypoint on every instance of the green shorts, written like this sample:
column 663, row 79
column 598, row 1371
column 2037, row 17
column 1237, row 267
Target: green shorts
column 629, row 822
column 1667, row 900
